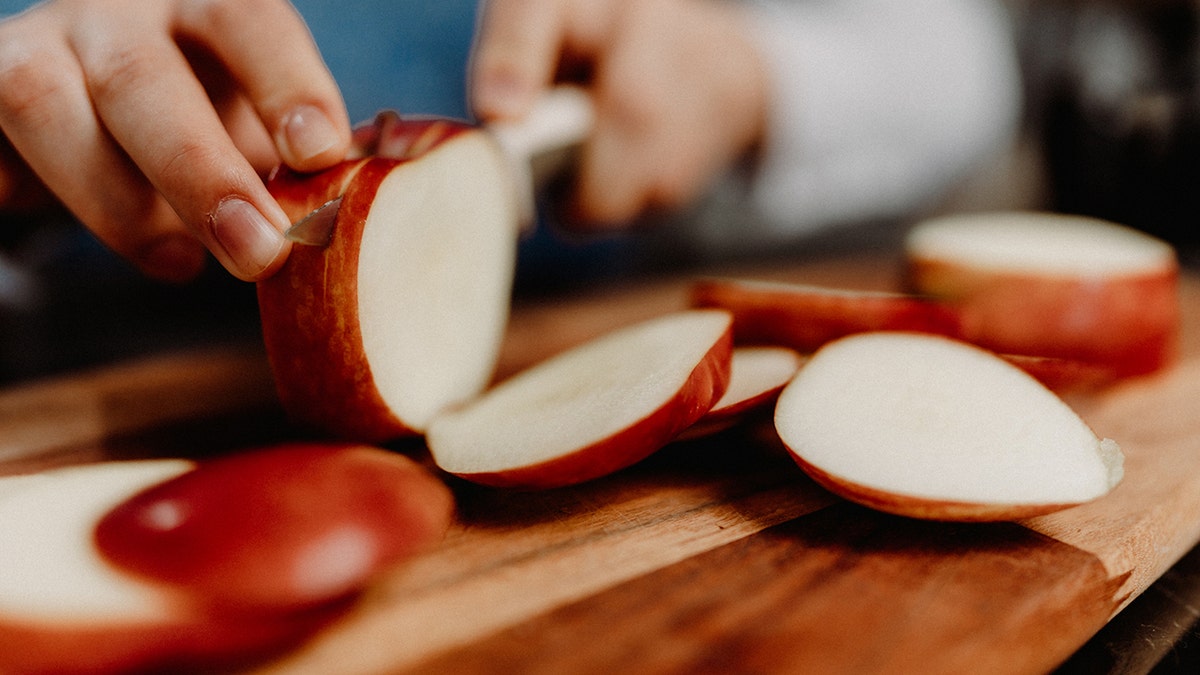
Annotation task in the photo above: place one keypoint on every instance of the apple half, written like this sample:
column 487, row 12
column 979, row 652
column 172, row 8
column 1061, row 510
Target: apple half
column 402, row 314
column 282, row 528
column 122, row 566
column 64, row 609
column 594, row 409
column 1053, row 285
column 804, row 317
column 929, row 427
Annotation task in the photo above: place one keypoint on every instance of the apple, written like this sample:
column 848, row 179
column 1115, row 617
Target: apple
column 757, row 375
column 592, row 409
column 402, row 314
column 119, row 566
column 280, row 528
column 64, row 609
column 1053, row 285
column 929, row 427
column 804, row 317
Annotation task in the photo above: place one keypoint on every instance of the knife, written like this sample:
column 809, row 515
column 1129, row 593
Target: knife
column 538, row 147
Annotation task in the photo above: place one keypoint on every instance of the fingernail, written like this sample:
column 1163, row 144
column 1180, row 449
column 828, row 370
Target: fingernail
column 306, row 132
column 173, row 257
column 249, row 240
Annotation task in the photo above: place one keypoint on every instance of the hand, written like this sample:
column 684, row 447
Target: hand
column 678, row 89
column 151, row 122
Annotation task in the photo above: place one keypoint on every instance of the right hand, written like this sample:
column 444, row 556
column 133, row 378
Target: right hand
column 153, row 122
column 678, row 87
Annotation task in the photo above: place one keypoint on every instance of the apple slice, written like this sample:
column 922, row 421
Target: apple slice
column 757, row 375
column 1053, row 285
column 280, row 528
column 591, row 410
column 930, row 427
column 402, row 314
column 64, row 609
column 804, row 317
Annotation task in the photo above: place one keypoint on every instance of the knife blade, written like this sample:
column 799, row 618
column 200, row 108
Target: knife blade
column 538, row 147
column 315, row 229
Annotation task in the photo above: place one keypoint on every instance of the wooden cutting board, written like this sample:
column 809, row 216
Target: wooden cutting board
column 715, row 555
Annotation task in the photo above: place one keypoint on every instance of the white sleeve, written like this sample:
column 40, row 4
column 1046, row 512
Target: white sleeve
column 878, row 106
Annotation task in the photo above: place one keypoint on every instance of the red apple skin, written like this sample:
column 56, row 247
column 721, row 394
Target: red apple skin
column 309, row 315
column 1127, row 322
column 242, row 531
column 922, row 508
column 703, row 388
column 191, row 640
column 1065, row 376
column 299, row 194
column 393, row 136
column 806, row 317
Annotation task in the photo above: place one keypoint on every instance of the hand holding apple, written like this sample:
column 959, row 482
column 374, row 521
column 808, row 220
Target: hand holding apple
column 153, row 122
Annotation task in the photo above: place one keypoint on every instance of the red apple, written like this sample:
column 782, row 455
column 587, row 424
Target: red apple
column 930, row 427
column 804, row 317
column 280, row 528
column 1053, row 285
column 756, row 377
column 402, row 314
column 64, row 609
column 593, row 409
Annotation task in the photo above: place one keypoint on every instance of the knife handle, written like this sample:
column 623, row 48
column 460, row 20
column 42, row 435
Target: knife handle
column 545, row 142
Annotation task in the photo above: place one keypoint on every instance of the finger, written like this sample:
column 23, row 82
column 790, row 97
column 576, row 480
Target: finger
column 149, row 100
column 283, row 75
column 45, row 113
column 20, row 189
column 515, row 55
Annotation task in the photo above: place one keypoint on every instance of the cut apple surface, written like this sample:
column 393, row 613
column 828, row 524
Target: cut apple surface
column 804, row 317
column 930, row 427
column 1053, row 285
column 64, row 609
column 280, row 528
column 402, row 314
column 757, row 375
column 591, row 410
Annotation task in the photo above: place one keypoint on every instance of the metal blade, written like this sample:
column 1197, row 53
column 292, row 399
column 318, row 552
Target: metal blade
column 316, row 229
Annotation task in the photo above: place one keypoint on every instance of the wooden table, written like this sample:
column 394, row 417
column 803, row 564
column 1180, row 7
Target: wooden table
column 715, row 555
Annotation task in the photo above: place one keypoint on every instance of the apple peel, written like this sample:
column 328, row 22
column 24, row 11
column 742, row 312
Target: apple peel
column 929, row 427
column 804, row 317
column 757, row 375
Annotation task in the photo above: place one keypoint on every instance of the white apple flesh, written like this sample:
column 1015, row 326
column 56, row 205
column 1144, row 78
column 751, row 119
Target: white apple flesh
column 1042, row 284
column 934, row 428
column 591, row 410
column 403, row 313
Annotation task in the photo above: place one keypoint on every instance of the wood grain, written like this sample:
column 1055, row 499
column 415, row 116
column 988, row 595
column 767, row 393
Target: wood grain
column 844, row 590
column 714, row 554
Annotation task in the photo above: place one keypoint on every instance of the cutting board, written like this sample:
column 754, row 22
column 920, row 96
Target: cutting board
column 715, row 555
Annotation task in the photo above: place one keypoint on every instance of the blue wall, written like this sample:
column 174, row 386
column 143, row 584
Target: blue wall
column 408, row 55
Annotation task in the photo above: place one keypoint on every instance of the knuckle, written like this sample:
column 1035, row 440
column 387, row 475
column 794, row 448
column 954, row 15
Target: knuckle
column 123, row 68
column 180, row 164
column 29, row 78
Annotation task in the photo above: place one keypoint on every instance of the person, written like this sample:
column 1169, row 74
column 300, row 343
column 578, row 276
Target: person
column 154, row 122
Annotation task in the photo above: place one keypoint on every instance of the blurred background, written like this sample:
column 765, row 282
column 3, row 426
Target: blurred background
column 1112, row 129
